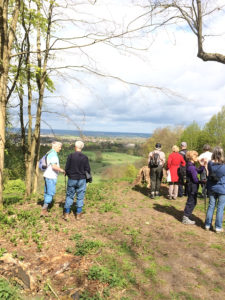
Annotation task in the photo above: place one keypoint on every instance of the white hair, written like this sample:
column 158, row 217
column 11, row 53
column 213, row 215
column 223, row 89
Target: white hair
column 79, row 145
column 55, row 144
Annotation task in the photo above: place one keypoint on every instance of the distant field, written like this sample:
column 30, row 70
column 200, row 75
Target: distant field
column 113, row 158
column 110, row 159
column 106, row 160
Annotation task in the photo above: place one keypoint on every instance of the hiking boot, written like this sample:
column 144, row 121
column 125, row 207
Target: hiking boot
column 79, row 216
column 152, row 196
column 44, row 212
column 66, row 216
column 219, row 230
column 187, row 221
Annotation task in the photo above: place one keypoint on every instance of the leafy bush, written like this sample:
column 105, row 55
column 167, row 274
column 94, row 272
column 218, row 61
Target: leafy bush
column 131, row 171
column 14, row 159
column 8, row 292
column 14, row 186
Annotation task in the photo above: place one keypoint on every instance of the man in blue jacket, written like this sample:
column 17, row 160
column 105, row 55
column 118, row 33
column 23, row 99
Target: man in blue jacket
column 76, row 166
column 216, row 189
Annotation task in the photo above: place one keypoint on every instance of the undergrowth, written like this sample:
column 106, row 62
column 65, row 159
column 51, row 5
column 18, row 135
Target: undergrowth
column 7, row 291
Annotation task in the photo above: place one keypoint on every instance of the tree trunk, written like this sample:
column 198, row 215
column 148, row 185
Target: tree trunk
column 36, row 173
column 2, row 144
column 40, row 78
column 4, row 67
column 6, row 41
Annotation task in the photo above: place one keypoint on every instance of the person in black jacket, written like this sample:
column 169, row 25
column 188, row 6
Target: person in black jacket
column 76, row 166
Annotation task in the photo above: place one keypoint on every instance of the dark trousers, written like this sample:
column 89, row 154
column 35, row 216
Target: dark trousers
column 156, row 178
column 182, row 189
column 192, row 191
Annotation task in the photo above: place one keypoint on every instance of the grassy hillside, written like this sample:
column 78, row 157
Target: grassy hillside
column 126, row 247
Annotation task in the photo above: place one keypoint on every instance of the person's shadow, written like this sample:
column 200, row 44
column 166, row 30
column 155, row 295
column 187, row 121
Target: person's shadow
column 177, row 214
column 141, row 189
column 146, row 191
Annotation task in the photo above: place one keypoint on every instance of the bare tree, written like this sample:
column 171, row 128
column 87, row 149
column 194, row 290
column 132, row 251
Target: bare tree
column 198, row 15
column 39, row 20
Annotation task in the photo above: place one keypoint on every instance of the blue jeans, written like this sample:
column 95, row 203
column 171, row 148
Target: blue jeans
column 77, row 187
column 213, row 197
column 50, row 187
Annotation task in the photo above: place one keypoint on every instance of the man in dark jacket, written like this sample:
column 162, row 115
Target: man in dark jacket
column 156, row 161
column 76, row 166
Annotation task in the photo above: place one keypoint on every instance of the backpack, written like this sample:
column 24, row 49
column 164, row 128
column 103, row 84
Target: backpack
column 154, row 160
column 43, row 163
column 183, row 153
column 203, row 175
column 182, row 174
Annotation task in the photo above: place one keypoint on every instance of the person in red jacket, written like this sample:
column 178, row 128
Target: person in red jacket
column 175, row 160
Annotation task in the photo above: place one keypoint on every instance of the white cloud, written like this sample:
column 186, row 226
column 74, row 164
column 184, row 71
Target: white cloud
column 171, row 62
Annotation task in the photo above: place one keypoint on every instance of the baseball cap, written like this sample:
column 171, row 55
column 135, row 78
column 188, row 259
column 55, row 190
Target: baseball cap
column 183, row 144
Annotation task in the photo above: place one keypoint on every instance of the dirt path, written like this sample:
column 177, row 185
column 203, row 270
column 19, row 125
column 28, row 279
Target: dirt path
column 127, row 246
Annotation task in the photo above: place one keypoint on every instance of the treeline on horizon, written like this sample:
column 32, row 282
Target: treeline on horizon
column 212, row 133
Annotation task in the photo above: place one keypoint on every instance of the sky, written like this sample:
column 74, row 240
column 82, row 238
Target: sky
column 171, row 86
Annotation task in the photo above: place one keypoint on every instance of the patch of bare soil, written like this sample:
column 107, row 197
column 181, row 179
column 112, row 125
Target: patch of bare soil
column 141, row 240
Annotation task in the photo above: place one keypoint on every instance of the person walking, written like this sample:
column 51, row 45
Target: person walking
column 156, row 161
column 77, row 165
column 182, row 188
column 175, row 160
column 50, row 175
column 192, row 186
column 216, row 189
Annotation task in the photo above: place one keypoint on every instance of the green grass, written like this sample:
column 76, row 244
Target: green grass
column 7, row 291
column 109, row 159
column 84, row 247
column 216, row 246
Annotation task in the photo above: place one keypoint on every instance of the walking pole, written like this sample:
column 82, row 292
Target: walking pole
column 205, row 198
column 65, row 184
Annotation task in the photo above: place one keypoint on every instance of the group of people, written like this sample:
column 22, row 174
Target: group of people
column 183, row 168
column 182, row 176
column 77, row 166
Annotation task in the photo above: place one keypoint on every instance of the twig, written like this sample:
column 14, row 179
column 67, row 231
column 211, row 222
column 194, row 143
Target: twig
column 48, row 284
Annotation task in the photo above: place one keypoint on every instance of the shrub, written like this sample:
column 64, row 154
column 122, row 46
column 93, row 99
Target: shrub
column 8, row 292
column 131, row 171
column 14, row 186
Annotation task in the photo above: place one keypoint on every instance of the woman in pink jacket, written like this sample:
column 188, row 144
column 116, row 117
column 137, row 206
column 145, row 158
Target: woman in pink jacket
column 175, row 160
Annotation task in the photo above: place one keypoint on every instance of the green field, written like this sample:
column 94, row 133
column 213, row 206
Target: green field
column 105, row 162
